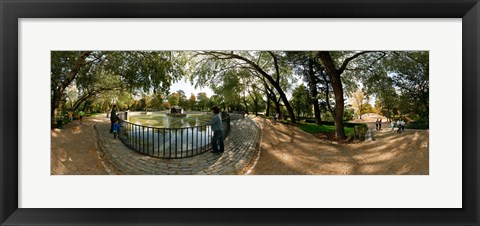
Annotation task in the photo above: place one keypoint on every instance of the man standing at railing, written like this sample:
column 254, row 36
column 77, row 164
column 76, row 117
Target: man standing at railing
column 216, row 124
column 113, row 117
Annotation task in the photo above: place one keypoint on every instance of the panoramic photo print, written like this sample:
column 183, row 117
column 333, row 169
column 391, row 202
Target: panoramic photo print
column 239, row 112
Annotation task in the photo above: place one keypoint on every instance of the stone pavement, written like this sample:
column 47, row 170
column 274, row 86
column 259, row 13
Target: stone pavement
column 241, row 150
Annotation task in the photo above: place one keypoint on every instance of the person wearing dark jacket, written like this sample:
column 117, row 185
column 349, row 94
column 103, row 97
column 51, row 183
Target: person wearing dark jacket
column 113, row 117
column 216, row 124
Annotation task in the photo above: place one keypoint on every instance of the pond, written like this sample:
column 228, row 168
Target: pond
column 164, row 121
column 160, row 135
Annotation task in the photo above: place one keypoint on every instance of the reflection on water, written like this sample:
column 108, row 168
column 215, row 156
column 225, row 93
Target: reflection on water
column 164, row 121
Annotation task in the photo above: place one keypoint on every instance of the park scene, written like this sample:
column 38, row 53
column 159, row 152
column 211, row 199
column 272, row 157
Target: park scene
column 239, row 113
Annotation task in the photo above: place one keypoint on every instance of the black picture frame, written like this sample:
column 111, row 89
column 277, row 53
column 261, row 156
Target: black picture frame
column 11, row 11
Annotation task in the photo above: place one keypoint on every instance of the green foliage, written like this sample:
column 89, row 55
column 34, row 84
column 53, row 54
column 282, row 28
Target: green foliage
column 359, row 131
column 268, row 68
column 202, row 101
column 174, row 99
column 360, row 102
column 215, row 100
column 230, row 87
column 328, row 127
column 192, row 101
column 400, row 80
column 102, row 73
column 144, row 103
column 157, row 102
column 301, row 101
column 421, row 123
column 313, row 128
column 348, row 114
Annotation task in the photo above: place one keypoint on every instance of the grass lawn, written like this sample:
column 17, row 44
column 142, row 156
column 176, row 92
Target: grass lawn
column 326, row 127
column 314, row 128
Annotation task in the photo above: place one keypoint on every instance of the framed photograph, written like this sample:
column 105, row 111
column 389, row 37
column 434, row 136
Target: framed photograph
column 424, row 173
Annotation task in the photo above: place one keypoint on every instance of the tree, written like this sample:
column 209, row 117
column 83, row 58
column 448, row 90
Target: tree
column 400, row 82
column 307, row 65
column 202, row 100
column 64, row 68
column 147, row 70
column 360, row 102
column 182, row 99
column 301, row 101
column 174, row 99
column 335, row 72
column 216, row 100
column 95, row 83
column 255, row 97
column 269, row 65
column 230, row 87
column 192, row 101
column 410, row 73
column 157, row 101
column 145, row 102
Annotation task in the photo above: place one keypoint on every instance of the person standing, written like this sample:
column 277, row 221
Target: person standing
column 216, row 124
column 403, row 125
column 116, row 128
column 399, row 125
column 113, row 117
column 81, row 116
column 380, row 124
column 376, row 124
column 393, row 125
column 70, row 116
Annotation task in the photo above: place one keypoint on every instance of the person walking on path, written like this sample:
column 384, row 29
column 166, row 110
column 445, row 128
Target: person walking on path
column 376, row 124
column 113, row 117
column 380, row 124
column 216, row 124
column 399, row 125
column 403, row 125
column 393, row 125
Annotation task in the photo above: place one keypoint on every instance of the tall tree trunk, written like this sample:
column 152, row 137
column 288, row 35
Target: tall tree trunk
column 245, row 103
column 335, row 79
column 56, row 98
column 277, row 106
column 268, row 106
column 337, row 86
column 314, row 92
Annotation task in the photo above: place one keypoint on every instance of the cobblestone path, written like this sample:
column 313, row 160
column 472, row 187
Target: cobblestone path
column 240, row 152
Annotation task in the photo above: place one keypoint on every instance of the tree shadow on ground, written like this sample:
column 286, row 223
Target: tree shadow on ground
column 287, row 150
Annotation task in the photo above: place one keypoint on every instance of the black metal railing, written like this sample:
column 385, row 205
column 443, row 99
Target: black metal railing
column 168, row 142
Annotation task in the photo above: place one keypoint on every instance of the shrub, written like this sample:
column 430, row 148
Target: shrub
column 360, row 131
column 348, row 114
column 352, row 130
column 418, row 124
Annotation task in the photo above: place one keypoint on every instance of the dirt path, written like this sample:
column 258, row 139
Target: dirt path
column 73, row 150
column 286, row 150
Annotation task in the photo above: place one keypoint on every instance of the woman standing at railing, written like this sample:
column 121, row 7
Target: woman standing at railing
column 216, row 124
